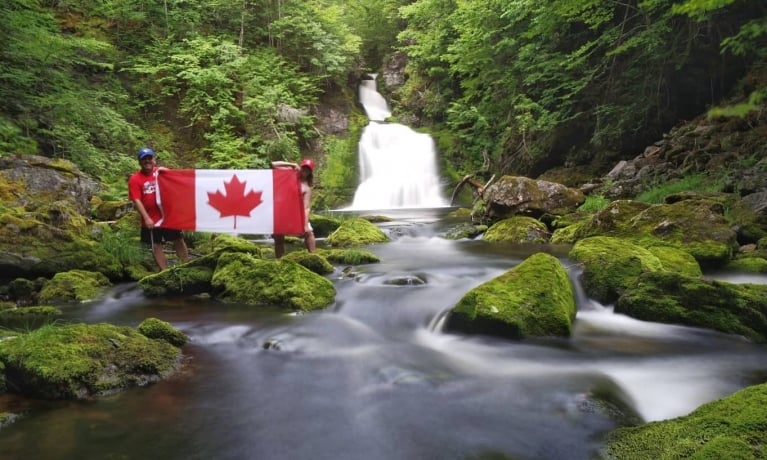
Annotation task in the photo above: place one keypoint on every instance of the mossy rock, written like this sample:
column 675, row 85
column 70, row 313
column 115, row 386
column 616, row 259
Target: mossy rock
column 30, row 248
column 356, row 232
column 696, row 226
column 747, row 264
column 26, row 318
column 313, row 261
column 676, row 260
column 533, row 299
column 567, row 235
column 323, row 225
column 610, row 265
column 24, row 291
column 518, row 229
column 113, row 210
column 187, row 279
column 349, row 256
column 157, row 329
column 282, row 283
column 734, row 427
column 74, row 286
column 667, row 297
column 80, row 361
column 464, row 231
column 223, row 242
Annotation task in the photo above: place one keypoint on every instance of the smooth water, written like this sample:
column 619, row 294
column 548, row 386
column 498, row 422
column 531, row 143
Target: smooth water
column 374, row 377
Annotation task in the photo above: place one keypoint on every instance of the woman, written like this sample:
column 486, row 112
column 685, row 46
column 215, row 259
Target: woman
column 306, row 175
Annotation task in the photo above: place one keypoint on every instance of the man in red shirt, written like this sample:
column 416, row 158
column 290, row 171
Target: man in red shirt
column 142, row 191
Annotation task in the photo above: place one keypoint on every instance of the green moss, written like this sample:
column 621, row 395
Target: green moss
column 191, row 278
column 518, row 229
column 669, row 297
column 566, row 235
column 610, row 265
column 74, row 286
column 42, row 249
column 676, row 260
column 747, row 264
column 83, row 360
column 349, row 256
column 160, row 330
column 282, row 283
column 26, row 318
column 323, row 225
column 734, row 427
column 464, row 231
column 314, row 262
column 535, row 298
column 697, row 226
column 356, row 232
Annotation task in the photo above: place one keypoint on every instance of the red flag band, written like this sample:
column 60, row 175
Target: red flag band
column 245, row 201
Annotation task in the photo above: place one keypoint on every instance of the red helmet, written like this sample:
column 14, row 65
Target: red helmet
column 308, row 163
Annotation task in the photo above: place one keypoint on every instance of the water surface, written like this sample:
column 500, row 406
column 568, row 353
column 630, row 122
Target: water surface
column 375, row 377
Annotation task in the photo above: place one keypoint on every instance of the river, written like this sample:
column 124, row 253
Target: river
column 374, row 376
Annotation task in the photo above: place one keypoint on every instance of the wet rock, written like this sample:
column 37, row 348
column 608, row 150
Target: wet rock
column 731, row 427
column 413, row 280
column 533, row 299
column 668, row 297
column 356, row 232
column 511, row 195
column 81, row 361
column 518, row 229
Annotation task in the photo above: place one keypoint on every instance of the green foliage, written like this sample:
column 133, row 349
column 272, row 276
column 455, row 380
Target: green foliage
column 126, row 248
column 313, row 34
column 338, row 178
column 691, row 183
column 58, row 92
column 525, row 83
column 377, row 24
column 594, row 203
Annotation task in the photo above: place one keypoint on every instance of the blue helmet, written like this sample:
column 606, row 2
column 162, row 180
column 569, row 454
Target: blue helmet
column 145, row 152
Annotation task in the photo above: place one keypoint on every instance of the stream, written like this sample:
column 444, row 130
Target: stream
column 374, row 376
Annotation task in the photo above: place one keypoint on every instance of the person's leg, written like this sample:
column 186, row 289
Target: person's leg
column 181, row 250
column 153, row 239
column 309, row 241
column 279, row 246
column 158, row 251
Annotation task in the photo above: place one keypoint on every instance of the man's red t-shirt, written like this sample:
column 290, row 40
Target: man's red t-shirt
column 144, row 187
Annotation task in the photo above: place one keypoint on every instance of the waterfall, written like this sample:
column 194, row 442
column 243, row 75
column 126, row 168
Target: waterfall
column 398, row 167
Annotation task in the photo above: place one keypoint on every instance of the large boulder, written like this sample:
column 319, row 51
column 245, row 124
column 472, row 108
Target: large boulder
column 43, row 225
column 697, row 226
column 732, row 427
column 243, row 278
column 73, row 286
column 80, row 361
column 518, row 229
column 30, row 180
column 533, row 299
column 512, row 195
column 356, row 232
column 612, row 265
column 669, row 297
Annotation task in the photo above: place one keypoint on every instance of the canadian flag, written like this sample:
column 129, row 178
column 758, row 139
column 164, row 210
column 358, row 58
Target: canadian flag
column 250, row 201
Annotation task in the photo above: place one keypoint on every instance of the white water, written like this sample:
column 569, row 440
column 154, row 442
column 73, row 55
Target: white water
column 398, row 167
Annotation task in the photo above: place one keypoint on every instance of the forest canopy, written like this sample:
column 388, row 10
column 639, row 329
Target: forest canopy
column 522, row 84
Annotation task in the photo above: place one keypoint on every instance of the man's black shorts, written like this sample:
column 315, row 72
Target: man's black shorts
column 159, row 235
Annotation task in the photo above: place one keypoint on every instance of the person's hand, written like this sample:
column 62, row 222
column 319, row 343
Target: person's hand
column 148, row 223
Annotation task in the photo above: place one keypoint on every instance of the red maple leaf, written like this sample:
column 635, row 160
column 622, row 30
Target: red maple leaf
column 236, row 202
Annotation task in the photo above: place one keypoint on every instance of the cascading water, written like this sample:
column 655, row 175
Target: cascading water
column 398, row 167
